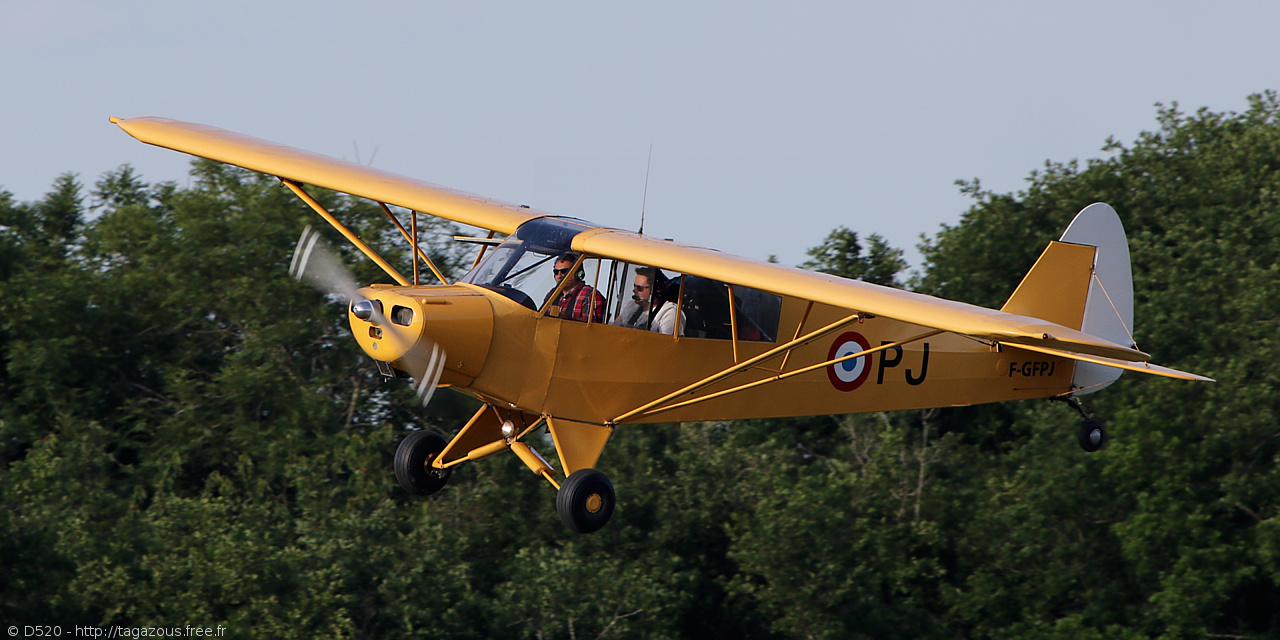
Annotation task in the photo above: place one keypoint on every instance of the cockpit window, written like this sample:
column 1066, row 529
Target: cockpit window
column 521, row 267
column 599, row 290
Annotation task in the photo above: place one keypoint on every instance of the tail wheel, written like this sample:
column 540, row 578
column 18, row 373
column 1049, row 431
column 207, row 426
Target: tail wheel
column 585, row 501
column 1091, row 435
column 413, row 463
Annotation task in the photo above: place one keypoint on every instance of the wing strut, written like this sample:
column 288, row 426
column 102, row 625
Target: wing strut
column 412, row 237
column 803, row 319
column 353, row 238
column 783, row 376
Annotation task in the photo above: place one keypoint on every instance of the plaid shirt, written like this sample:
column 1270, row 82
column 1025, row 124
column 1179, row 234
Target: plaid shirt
column 576, row 303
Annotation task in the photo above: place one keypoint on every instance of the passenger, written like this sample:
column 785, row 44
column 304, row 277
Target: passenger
column 646, row 309
column 578, row 300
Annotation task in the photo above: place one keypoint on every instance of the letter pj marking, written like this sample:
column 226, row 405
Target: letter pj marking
column 887, row 362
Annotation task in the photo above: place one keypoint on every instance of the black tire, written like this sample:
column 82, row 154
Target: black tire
column 1092, row 436
column 585, row 501
column 413, row 463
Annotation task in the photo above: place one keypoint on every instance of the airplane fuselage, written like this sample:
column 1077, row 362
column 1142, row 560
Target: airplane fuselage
column 509, row 355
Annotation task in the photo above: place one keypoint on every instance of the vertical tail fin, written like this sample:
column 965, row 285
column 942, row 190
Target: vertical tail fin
column 1084, row 282
column 1057, row 287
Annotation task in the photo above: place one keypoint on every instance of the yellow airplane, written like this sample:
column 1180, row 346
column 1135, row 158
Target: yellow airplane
column 581, row 328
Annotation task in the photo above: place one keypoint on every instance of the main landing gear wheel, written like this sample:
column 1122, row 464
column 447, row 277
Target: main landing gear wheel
column 585, row 501
column 1091, row 435
column 413, row 463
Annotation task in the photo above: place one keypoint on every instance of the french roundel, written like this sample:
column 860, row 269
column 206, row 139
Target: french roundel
column 850, row 374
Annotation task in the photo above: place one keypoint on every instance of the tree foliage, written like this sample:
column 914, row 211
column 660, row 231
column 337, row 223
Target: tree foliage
column 189, row 436
column 841, row 254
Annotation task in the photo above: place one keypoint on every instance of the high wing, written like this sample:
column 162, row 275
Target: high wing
column 304, row 167
column 300, row 166
column 957, row 317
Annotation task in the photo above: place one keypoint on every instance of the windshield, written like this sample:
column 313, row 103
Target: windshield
column 520, row 268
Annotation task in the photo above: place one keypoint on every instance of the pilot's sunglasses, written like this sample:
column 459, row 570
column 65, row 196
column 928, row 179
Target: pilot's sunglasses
column 560, row 272
column 639, row 287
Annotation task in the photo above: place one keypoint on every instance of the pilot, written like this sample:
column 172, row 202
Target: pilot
column 646, row 309
column 579, row 300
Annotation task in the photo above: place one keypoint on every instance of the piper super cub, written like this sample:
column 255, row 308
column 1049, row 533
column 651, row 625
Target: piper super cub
column 582, row 329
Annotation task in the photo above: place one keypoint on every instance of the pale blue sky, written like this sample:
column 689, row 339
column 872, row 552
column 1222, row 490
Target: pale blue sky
column 771, row 123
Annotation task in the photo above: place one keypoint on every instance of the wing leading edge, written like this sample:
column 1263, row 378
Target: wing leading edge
column 305, row 167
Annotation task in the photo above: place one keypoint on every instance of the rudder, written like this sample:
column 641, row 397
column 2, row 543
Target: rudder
column 1109, row 310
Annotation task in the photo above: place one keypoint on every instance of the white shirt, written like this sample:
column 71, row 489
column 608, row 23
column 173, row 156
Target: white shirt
column 664, row 321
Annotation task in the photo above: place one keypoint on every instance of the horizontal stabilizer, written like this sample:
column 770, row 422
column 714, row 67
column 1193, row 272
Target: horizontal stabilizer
column 1140, row 367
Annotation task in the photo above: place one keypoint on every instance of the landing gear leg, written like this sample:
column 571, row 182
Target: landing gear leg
column 1091, row 433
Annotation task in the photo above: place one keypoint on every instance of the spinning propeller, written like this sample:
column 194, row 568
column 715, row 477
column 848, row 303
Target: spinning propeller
column 318, row 265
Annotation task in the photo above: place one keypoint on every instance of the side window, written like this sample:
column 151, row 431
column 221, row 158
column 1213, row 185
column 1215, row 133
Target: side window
column 705, row 304
column 646, row 298
column 758, row 314
column 615, row 280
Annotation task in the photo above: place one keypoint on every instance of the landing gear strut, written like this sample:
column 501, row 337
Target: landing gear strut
column 585, row 501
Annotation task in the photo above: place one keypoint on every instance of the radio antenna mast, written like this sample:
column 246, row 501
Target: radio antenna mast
column 644, row 199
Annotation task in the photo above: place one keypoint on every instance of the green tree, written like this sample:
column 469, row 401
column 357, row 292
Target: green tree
column 841, row 254
column 1163, row 533
column 843, row 544
column 186, row 434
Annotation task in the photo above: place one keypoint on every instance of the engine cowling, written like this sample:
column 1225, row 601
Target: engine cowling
column 458, row 319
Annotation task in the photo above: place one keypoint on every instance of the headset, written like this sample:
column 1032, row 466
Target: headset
column 571, row 256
